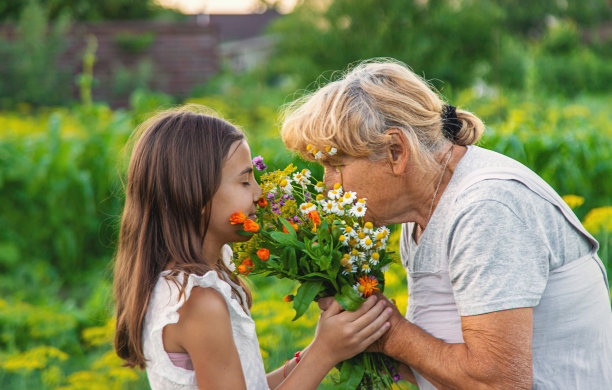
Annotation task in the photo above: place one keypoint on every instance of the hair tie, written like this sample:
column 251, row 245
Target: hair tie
column 451, row 125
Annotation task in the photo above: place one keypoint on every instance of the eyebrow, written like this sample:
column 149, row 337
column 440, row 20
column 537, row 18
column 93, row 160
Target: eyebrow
column 246, row 170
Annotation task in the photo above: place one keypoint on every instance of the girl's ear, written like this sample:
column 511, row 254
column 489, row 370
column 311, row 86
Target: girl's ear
column 398, row 151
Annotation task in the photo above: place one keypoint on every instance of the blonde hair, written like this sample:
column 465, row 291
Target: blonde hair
column 353, row 113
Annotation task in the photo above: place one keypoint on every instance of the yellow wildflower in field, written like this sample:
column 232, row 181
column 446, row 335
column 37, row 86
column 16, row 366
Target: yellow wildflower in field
column 573, row 201
column 100, row 335
column 35, row 359
column 598, row 220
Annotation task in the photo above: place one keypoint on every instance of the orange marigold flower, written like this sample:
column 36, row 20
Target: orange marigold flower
column 248, row 262
column 262, row 202
column 288, row 298
column 251, row 226
column 242, row 268
column 369, row 284
column 238, row 217
column 314, row 215
column 263, row 254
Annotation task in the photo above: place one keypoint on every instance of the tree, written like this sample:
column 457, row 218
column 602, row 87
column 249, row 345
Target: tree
column 438, row 38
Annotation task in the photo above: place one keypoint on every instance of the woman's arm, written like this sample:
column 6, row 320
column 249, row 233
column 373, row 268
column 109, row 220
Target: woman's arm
column 496, row 353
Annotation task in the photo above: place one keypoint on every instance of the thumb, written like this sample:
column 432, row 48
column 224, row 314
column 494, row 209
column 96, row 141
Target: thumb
column 333, row 309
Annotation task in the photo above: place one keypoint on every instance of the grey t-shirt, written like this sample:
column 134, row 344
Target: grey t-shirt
column 498, row 245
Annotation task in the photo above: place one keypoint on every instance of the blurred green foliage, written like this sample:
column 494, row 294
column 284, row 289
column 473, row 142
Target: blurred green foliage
column 29, row 72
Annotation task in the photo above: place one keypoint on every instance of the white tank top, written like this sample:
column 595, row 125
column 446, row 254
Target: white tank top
column 162, row 310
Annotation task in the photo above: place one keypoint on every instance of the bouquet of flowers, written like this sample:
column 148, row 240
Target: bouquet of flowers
column 318, row 238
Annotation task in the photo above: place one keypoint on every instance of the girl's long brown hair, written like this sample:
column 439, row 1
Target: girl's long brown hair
column 174, row 171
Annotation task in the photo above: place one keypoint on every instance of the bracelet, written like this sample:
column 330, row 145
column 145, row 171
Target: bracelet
column 297, row 360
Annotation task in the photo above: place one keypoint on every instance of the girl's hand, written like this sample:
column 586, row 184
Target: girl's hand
column 342, row 334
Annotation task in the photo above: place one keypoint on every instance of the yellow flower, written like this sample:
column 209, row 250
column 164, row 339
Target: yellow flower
column 368, row 225
column 375, row 256
column 309, row 147
column 573, row 201
column 598, row 220
column 337, row 186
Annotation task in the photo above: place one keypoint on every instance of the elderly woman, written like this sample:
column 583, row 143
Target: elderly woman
column 506, row 289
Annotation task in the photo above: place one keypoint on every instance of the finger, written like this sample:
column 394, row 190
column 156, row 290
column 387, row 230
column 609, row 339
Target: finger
column 366, row 306
column 325, row 302
column 370, row 316
column 374, row 325
column 375, row 336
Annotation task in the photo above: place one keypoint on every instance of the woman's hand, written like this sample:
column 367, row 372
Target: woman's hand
column 342, row 334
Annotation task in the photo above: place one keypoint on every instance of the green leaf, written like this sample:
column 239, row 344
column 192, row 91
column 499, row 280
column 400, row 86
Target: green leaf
column 284, row 238
column 352, row 372
column 290, row 229
column 349, row 299
column 293, row 265
column 304, row 296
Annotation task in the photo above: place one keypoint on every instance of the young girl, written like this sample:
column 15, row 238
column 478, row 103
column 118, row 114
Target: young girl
column 181, row 314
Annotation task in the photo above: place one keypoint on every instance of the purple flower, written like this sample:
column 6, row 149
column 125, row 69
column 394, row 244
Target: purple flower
column 296, row 219
column 276, row 209
column 259, row 163
column 270, row 195
column 397, row 377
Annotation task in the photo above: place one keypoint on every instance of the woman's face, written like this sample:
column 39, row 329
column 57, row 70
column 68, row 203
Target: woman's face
column 369, row 179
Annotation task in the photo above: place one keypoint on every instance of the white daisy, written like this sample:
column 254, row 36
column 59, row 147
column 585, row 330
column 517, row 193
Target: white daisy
column 335, row 193
column 320, row 187
column 357, row 211
column 374, row 258
column 331, row 150
column 350, row 232
column 338, row 209
column 349, row 197
column 305, row 208
column 285, row 185
column 368, row 228
column 366, row 268
column 328, row 206
column 366, row 243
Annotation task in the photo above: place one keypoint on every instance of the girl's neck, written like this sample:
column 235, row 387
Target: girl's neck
column 212, row 252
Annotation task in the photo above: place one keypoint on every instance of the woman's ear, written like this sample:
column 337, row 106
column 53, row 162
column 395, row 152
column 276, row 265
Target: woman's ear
column 398, row 151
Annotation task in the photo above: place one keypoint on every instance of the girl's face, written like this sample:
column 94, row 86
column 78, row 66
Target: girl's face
column 369, row 179
column 238, row 192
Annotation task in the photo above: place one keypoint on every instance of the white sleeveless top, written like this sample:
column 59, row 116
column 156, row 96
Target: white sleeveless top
column 572, row 321
column 162, row 310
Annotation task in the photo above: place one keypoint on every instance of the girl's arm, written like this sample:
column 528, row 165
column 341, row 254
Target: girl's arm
column 340, row 335
column 204, row 330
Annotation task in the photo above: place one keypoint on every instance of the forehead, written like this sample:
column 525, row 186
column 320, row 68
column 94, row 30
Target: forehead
column 238, row 156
